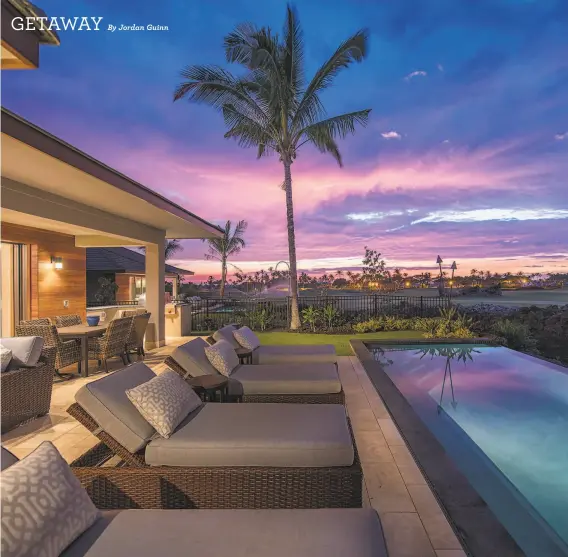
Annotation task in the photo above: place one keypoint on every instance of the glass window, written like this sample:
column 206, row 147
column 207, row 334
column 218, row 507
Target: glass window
column 139, row 287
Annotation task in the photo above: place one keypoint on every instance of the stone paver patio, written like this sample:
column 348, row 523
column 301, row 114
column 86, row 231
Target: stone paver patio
column 413, row 523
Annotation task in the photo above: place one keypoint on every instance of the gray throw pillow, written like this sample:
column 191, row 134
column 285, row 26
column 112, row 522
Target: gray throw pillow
column 223, row 357
column 246, row 338
column 5, row 358
column 164, row 401
column 44, row 507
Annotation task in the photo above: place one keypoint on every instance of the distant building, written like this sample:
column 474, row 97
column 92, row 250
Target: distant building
column 125, row 267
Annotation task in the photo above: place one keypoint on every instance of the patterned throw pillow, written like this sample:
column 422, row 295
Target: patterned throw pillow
column 246, row 338
column 164, row 401
column 44, row 507
column 222, row 357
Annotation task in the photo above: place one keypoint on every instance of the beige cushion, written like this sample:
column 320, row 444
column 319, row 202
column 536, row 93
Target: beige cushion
column 44, row 507
column 300, row 379
column 86, row 540
column 295, row 354
column 164, row 401
column 7, row 459
column 191, row 357
column 106, row 402
column 246, row 338
column 244, row 533
column 279, row 435
column 25, row 350
column 5, row 358
column 223, row 357
column 226, row 333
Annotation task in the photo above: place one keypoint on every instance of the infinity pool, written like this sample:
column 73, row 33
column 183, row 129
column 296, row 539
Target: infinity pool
column 502, row 417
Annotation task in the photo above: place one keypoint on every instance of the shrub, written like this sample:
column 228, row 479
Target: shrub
column 330, row 315
column 260, row 318
column 516, row 335
column 311, row 316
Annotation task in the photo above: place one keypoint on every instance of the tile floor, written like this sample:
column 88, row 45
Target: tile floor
column 413, row 522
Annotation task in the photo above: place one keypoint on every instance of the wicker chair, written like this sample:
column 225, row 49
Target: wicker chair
column 67, row 320
column 68, row 352
column 112, row 343
column 26, row 391
column 135, row 343
column 40, row 321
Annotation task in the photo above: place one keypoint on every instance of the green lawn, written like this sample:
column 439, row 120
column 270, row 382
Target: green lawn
column 341, row 342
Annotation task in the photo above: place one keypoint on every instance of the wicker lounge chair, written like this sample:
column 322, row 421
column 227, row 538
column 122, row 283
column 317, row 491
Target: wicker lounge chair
column 228, row 532
column 282, row 354
column 112, row 343
column 67, row 320
column 26, row 391
column 312, row 383
column 221, row 455
column 68, row 352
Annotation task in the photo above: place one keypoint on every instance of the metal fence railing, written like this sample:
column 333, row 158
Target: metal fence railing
column 274, row 313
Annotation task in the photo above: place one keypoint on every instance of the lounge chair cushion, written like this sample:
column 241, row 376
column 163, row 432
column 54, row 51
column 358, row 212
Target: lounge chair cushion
column 85, row 541
column 294, row 354
column 246, row 338
column 226, row 333
column 105, row 400
column 299, row 379
column 164, row 401
column 279, row 435
column 25, row 350
column 44, row 507
column 7, row 459
column 191, row 357
column 223, row 357
column 243, row 533
column 5, row 358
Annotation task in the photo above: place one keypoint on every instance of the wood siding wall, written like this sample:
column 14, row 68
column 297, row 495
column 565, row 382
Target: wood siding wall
column 123, row 281
column 50, row 287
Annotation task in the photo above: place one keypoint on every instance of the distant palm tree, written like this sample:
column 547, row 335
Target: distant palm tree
column 271, row 107
column 220, row 249
column 171, row 247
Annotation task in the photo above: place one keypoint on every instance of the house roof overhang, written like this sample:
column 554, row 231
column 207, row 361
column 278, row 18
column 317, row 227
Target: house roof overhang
column 50, row 184
column 20, row 45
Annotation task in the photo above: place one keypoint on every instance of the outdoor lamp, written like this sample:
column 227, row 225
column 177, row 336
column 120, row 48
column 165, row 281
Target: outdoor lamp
column 57, row 262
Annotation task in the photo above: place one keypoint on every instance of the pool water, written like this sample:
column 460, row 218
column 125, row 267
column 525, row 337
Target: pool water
column 502, row 416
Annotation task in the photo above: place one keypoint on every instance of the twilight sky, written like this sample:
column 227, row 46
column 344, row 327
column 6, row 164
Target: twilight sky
column 465, row 155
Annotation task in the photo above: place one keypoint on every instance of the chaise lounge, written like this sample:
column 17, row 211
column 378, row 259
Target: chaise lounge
column 282, row 354
column 221, row 455
column 73, row 527
column 311, row 383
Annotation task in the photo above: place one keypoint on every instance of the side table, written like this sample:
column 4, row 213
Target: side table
column 207, row 387
column 245, row 355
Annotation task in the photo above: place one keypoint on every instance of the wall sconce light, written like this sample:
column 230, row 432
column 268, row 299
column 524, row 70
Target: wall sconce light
column 57, row 262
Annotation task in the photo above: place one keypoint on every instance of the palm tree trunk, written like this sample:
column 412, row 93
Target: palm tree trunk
column 294, row 310
column 223, row 277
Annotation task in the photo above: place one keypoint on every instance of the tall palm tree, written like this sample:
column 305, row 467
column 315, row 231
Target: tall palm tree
column 271, row 107
column 231, row 243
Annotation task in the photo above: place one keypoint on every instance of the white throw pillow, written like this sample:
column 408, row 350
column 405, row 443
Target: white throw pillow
column 164, row 401
column 222, row 357
column 26, row 351
column 5, row 358
column 246, row 338
column 44, row 507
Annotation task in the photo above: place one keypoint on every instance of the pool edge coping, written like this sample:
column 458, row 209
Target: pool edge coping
column 476, row 527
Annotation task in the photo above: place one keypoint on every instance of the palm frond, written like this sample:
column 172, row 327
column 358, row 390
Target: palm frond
column 247, row 131
column 293, row 54
column 337, row 126
column 354, row 49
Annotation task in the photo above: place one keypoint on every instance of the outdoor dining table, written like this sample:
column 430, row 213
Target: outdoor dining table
column 83, row 332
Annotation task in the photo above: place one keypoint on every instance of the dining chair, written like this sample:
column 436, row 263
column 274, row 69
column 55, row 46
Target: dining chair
column 67, row 320
column 135, row 343
column 112, row 343
column 68, row 351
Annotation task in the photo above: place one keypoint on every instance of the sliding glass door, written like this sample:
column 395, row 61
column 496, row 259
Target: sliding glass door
column 15, row 286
